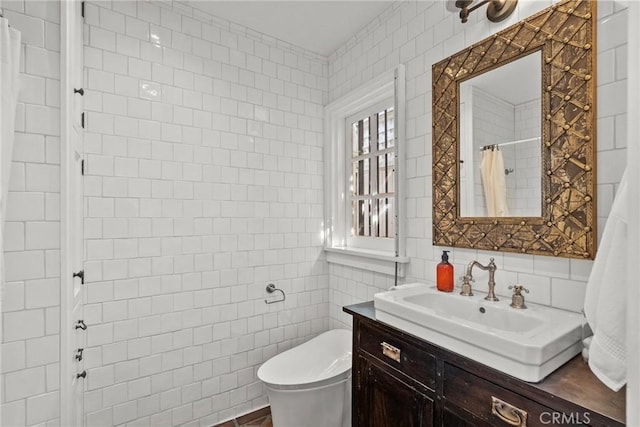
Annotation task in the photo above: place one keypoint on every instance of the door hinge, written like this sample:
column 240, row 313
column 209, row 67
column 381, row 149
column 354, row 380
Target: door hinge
column 81, row 325
column 80, row 274
column 82, row 120
column 82, row 9
column 82, row 167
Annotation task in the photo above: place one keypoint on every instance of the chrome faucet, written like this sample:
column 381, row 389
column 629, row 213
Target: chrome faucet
column 468, row 278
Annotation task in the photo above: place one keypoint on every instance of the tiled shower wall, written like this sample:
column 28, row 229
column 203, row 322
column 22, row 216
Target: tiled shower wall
column 204, row 184
column 419, row 34
column 522, row 161
column 526, row 165
column 492, row 122
column 31, row 291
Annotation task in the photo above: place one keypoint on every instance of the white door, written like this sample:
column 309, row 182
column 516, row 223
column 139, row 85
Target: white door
column 73, row 329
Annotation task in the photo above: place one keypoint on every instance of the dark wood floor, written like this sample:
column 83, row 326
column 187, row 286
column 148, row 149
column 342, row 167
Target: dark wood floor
column 260, row 422
column 259, row 418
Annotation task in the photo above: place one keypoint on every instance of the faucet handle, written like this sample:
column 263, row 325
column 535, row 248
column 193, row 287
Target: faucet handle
column 466, row 285
column 517, row 299
column 517, row 289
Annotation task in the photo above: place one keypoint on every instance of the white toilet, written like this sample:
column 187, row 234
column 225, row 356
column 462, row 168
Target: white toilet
column 310, row 385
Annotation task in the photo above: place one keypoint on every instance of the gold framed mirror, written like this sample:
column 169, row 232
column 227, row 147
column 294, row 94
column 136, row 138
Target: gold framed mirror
column 564, row 34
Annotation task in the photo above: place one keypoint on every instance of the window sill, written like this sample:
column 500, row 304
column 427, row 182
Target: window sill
column 378, row 261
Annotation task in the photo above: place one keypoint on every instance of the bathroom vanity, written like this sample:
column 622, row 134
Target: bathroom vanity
column 402, row 380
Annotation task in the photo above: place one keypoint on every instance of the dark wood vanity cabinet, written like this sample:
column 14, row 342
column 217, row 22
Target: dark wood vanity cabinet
column 394, row 381
column 388, row 399
column 402, row 381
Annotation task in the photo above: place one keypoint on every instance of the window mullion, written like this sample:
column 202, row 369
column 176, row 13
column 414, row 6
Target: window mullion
column 386, row 168
column 361, row 175
column 379, row 153
column 373, row 174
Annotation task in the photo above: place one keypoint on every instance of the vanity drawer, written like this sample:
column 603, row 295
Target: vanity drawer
column 398, row 353
column 494, row 404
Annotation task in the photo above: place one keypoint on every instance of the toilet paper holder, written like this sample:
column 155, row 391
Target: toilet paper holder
column 271, row 288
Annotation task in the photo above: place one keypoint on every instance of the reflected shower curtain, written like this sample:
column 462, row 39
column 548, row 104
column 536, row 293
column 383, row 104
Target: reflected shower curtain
column 494, row 182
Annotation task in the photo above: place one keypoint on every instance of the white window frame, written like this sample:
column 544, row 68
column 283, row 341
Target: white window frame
column 337, row 164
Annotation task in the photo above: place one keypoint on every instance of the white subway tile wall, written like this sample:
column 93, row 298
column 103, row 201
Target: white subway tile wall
column 419, row 34
column 31, row 288
column 204, row 184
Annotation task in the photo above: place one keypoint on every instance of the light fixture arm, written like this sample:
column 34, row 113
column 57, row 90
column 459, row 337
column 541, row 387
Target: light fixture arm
column 498, row 10
column 465, row 11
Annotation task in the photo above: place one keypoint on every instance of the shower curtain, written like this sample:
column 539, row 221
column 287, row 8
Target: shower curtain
column 9, row 87
column 494, row 182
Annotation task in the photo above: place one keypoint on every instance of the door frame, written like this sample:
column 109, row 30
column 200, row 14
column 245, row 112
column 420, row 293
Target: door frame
column 68, row 18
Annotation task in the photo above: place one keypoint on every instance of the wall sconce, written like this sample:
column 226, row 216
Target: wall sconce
column 498, row 10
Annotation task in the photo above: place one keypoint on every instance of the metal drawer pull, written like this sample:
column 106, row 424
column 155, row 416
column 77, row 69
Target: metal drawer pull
column 390, row 351
column 508, row 413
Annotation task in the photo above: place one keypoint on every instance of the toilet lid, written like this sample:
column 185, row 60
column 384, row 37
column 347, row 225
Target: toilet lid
column 319, row 361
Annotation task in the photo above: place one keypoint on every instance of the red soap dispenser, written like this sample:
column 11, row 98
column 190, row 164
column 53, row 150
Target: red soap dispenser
column 444, row 274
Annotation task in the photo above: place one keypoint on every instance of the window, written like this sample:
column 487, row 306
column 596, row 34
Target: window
column 363, row 170
column 371, row 150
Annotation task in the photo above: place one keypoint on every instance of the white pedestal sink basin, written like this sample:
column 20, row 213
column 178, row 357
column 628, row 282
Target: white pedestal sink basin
column 528, row 344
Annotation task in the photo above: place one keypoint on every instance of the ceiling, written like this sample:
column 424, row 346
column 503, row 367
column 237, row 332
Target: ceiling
column 319, row 26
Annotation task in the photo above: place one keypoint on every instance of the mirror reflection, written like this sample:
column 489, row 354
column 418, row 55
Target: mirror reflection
column 500, row 141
